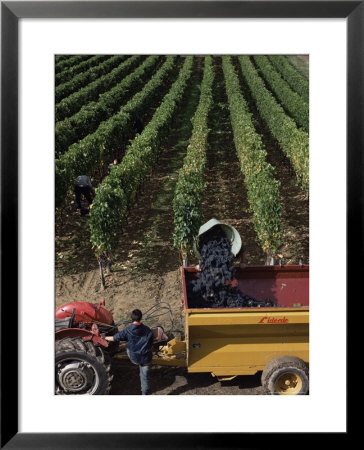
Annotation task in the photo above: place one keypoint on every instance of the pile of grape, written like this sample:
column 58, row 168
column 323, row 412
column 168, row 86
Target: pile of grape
column 213, row 288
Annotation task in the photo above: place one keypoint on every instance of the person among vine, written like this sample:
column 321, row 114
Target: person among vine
column 83, row 187
column 113, row 164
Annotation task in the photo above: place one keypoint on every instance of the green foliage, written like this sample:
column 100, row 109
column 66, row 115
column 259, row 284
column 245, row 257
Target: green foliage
column 70, row 62
column 59, row 58
column 262, row 187
column 67, row 74
column 93, row 73
column 290, row 100
column 190, row 188
column 293, row 141
column 297, row 81
column 112, row 135
column 94, row 92
column 118, row 190
column 107, row 215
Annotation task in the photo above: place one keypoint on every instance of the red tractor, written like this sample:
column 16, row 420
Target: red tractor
column 83, row 356
column 82, row 362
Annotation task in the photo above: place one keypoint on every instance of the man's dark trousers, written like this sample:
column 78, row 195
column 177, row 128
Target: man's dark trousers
column 86, row 191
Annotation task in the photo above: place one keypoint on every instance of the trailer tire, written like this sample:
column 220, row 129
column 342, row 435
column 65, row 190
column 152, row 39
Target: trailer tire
column 286, row 375
column 81, row 368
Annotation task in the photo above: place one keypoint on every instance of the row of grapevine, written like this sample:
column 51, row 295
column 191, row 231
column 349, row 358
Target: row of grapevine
column 74, row 102
column 111, row 136
column 293, row 141
column 115, row 196
column 72, row 71
column 297, row 82
column 59, row 58
column 89, row 117
column 190, row 188
column 82, row 79
column 261, row 185
column 66, row 64
column 292, row 102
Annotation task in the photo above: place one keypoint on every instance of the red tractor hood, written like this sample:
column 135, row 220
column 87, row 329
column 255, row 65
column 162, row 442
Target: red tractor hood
column 86, row 313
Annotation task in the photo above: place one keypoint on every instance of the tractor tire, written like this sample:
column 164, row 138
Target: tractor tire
column 81, row 368
column 286, row 375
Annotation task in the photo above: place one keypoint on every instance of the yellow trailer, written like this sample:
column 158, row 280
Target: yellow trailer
column 243, row 341
column 228, row 342
column 223, row 341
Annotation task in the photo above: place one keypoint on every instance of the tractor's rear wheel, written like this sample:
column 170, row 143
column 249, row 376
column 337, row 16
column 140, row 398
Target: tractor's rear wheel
column 81, row 368
column 286, row 375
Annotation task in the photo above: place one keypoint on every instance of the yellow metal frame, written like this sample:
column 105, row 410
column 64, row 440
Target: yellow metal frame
column 173, row 354
column 231, row 342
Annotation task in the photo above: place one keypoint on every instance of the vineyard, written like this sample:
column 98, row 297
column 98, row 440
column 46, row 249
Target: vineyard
column 222, row 136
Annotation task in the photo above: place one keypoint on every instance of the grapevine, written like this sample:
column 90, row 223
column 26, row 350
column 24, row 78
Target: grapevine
column 115, row 196
column 190, row 188
column 262, row 187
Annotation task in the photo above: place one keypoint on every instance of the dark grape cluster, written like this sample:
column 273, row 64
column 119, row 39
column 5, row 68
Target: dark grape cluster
column 213, row 288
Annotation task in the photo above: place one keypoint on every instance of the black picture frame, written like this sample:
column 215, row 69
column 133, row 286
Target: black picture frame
column 11, row 12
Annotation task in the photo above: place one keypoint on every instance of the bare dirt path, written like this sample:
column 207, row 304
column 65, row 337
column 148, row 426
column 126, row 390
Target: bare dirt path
column 146, row 245
column 226, row 197
column 301, row 63
column 304, row 58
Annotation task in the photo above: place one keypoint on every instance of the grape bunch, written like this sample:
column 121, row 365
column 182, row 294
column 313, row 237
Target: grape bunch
column 213, row 288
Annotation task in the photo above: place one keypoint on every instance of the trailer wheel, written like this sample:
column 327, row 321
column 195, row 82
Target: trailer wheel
column 286, row 375
column 81, row 368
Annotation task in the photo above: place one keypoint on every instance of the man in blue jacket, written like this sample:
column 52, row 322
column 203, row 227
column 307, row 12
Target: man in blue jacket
column 139, row 348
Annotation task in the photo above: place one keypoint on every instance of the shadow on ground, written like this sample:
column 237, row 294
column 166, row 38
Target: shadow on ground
column 177, row 381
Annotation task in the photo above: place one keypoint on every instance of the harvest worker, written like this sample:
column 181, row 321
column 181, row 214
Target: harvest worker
column 215, row 227
column 84, row 187
column 139, row 349
column 111, row 165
